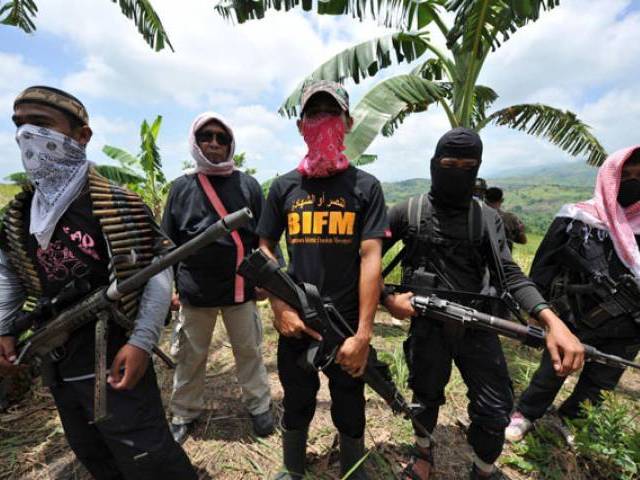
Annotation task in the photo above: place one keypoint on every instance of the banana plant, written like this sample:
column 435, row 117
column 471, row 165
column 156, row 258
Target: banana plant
column 445, row 77
column 142, row 172
column 22, row 14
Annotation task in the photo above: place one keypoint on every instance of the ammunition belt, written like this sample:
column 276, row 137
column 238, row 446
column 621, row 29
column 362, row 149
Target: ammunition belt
column 129, row 231
column 131, row 235
column 16, row 233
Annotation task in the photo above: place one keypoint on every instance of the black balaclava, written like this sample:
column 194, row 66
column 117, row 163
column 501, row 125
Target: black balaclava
column 629, row 191
column 453, row 187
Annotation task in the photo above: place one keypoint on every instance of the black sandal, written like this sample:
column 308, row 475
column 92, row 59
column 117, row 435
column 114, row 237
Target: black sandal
column 417, row 454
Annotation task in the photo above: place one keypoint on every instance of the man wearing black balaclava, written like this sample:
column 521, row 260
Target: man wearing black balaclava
column 450, row 240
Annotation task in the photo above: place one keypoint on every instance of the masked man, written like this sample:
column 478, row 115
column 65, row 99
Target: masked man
column 590, row 239
column 73, row 226
column 452, row 243
column 207, row 283
column 334, row 217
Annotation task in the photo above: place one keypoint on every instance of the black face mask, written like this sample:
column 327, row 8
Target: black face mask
column 453, row 187
column 629, row 192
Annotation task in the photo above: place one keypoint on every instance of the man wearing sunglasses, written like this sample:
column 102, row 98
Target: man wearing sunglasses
column 207, row 282
column 334, row 218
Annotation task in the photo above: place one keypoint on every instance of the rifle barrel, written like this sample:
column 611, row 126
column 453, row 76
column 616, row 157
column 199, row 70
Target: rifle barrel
column 223, row 226
column 529, row 335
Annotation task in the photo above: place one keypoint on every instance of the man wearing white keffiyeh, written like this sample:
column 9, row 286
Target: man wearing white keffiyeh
column 603, row 233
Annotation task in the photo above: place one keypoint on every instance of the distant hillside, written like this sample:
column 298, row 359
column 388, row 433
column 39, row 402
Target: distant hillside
column 577, row 174
column 534, row 194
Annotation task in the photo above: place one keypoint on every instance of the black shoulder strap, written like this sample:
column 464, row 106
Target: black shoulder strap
column 414, row 214
column 493, row 243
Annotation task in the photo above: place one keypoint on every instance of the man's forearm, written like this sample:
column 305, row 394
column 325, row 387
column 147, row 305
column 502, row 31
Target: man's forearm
column 154, row 305
column 369, row 287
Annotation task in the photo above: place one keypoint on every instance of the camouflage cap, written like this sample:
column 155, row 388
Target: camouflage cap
column 337, row 91
column 55, row 98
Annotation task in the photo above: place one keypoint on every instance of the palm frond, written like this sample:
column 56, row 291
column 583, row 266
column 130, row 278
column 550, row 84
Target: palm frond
column 365, row 159
column 119, row 175
column 432, row 69
column 148, row 22
column 386, row 100
column 150, row 159
column 121, row 156
column 484, row 24
column 361, row 61
column 483, row 98
column 399, row 14
column 562, row 128
column 19, row 13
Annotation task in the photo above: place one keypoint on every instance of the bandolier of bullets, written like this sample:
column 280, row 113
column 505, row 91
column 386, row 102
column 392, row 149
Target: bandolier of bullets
column 16, row 235
column 129, row 231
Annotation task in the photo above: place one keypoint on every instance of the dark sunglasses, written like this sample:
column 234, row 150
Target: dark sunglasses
column 222, row 138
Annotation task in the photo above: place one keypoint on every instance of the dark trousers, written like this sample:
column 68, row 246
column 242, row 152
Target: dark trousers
column 133, row 443
column 301, row 386
column 594, row 378
column 429, row 351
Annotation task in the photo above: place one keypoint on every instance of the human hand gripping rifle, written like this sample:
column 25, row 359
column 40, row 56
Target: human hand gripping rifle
column 101, row 304
column 437, row 308
column 322, row 316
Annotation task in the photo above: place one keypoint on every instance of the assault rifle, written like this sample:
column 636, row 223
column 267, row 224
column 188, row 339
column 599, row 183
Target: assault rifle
column 101, row 304
column 437, row 308
column 621, row 297
column 322, row 316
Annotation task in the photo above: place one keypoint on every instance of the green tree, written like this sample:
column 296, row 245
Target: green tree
column 142, row 173
column 239, row 160
column 446, row 77
column 22, row 13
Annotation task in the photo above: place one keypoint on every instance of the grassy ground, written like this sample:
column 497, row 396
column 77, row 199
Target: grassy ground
column 32, row 445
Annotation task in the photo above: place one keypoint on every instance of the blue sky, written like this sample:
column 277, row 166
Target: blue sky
column 582, row 56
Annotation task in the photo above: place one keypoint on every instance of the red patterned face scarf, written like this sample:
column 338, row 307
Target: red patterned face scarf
column 324, row 136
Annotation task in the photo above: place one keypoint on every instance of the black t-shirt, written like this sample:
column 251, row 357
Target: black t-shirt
column 325, row 220
column 208, row 278
column 77, row 251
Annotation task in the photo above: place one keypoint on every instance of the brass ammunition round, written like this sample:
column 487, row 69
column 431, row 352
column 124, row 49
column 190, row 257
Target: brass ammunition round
column 120, row 211
column 128, row 234
column 117, row 203
column 122, row 227
column 122, row 220
column 127, row 250
column 132, row 242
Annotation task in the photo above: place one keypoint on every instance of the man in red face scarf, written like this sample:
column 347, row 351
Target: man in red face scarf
column 334, row 218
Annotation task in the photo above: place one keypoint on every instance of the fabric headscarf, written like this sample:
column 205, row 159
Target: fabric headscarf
column 604, row 212
column 324, row 136
column 453, row 187
column 57, row 166
column 204, row 165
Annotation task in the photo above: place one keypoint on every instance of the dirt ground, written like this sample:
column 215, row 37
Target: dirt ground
column 32, row 444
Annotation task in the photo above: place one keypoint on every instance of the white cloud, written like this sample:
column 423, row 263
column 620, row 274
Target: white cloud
column 580, row 56
column 16, row 73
